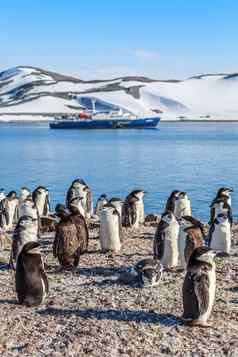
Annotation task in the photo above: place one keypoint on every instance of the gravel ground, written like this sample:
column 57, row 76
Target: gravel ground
column 87, row 313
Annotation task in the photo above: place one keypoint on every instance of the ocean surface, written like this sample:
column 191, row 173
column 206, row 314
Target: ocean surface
column 194, row 157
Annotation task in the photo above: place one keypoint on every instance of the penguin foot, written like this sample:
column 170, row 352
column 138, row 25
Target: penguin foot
column 197, row 323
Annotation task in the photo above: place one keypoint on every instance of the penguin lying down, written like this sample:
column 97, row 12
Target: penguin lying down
column 146, row 273
column 30, row 279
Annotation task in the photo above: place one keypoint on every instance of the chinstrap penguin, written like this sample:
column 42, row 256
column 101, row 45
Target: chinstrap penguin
column 30, row 278
column 221, row 204
column 166, row 241
column 133, row 209
column 9, row 210
column 40, row 197
column 110, row 229
column 66, row 246
column 199, row 287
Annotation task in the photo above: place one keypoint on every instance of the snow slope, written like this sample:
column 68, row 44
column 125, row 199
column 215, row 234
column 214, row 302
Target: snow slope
column 33, row 92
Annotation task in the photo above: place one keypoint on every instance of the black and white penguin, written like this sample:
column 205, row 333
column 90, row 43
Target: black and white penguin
column 40, row 197
column 66, row 246
column 221, row 204
column 9, row 210
column 182, row 205
column 80, row 189
column 220, row 234
column 25, row 231
column 133, row 209
column 110, row 229
column 31, row 281
column 166, row 241
column 199, row 287
column 191, row 236
column 102, row 201
column 149, row 272
column 170, row 204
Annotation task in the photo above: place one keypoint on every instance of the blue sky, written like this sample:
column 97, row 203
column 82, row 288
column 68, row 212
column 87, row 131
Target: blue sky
column 104, row 38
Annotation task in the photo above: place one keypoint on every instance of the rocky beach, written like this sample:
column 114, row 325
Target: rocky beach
column 91, row 312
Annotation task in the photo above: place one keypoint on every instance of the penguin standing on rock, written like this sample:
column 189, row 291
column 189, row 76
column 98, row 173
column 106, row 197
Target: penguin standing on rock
column 199, row 287
column 182, row 205
column 30, row 279
column 220, row 235
column 170, row 204
column 80, row 189
column 70, row 237
column 191, row 236
column 110, row 229
column 221, row 204
column 133, row 209
column 40, row 197
column 9, row 210
column 102, row 201
column 166, row 241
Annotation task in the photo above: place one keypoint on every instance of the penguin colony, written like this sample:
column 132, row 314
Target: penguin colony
column 180, row 240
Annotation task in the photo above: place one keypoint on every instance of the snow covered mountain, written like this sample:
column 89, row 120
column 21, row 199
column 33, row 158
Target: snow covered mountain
column 30, row 93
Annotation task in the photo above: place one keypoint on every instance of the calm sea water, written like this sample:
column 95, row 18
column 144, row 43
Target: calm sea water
column 193, row 157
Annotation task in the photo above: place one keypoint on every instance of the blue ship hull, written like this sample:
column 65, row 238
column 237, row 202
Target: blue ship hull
column 143, row 123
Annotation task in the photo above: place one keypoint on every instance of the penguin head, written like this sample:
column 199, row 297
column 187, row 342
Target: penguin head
column 110, row 208
column 116, row 202
column 168, row 217
column 149, row 272
column 186, row 222
column 24, row 191
column 78, row 183
column 41, row 191
column 60, row 210
column 25, row 222
column 139, row 194
column 202, row 254
column 189, row 222
column 75, row 204
column 12, row 195
column 103, row 197
column 183, row 196
column 174, row 194
column 224, row 191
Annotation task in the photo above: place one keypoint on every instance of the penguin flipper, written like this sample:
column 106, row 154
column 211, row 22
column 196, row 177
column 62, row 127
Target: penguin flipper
column 158, row 245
